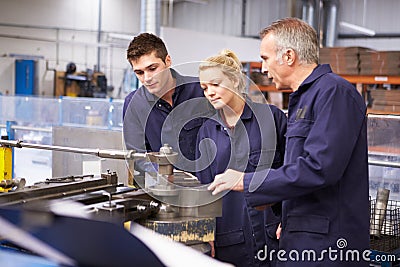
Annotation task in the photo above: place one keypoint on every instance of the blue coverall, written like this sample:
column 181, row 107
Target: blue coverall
column 149, row 121
column 323, row 184
column 242, row 230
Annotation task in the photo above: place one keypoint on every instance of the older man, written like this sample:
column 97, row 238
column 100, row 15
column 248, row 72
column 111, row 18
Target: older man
column 324, row 180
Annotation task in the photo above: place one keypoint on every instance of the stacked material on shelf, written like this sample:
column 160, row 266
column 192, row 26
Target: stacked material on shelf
column 380, row 62
column 260, row 78
column 343, row 60
column 386, row 100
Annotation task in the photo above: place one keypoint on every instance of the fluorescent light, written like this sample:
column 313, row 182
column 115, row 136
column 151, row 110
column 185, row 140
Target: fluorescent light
column 120, row 36
column 357, row 28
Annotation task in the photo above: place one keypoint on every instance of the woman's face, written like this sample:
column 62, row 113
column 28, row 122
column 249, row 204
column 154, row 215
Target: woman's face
column 219, row 89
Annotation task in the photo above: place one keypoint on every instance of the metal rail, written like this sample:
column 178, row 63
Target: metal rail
column 102, row 153
column 128, row 154
column 27, row 128
column 384, row 163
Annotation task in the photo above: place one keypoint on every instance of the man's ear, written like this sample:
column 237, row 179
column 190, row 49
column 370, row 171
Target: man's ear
column 289, row 56
column 168, row 61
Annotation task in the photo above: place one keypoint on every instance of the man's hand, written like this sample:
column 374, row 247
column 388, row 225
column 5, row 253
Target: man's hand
column 278, row 231
column 261, row 208
column 229, row 180
column 212, row 247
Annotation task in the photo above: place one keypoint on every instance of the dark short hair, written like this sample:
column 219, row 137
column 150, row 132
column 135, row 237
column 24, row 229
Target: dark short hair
column 145, row 44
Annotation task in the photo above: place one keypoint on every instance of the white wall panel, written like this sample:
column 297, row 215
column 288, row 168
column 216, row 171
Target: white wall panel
column 59, row 13
column 189, row 47
column 379, row 15
column 220, row 16
column 225, row 16
column 66, row 30
column 260, row 13
column 121, row 16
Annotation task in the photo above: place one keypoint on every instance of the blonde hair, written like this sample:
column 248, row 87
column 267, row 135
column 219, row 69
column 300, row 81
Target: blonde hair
column 229, row 64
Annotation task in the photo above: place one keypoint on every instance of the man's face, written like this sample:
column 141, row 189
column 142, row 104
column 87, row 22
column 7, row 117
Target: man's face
column 271, row 65
column 153, row 73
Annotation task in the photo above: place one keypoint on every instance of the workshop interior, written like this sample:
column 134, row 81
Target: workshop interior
column 68, row 186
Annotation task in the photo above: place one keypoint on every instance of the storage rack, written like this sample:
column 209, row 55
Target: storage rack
column 250, row 67
column 361, row 82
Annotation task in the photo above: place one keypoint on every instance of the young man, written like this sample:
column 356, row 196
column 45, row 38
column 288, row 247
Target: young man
column 168, row 108
column 324, row 181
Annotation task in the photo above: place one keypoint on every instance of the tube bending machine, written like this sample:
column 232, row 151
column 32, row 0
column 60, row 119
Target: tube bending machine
column 89, row 229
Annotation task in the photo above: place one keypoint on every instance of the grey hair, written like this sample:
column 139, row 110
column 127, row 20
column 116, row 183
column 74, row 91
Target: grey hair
column 293, row 33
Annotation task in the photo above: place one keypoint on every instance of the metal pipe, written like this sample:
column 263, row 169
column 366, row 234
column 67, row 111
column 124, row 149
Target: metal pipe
column 170, row 13
column 57, row 53
column 102, row 153
column 384, row 116
column 308, row 12
column 99, row 38
column 157, row 14
column 311, row 13
column 244, row 5
column 150, row 16
column 51, row 28
column 143, row 15
column 43, row 27
column 318, row 20
column 357, row 28
column 376, row 36
column 54, row 75
column 26, row 128
column 59, row 42
column 382, row 198
column 331, row 22
column 384, row 163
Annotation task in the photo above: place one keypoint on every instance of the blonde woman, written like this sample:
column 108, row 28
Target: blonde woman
column 244, row 136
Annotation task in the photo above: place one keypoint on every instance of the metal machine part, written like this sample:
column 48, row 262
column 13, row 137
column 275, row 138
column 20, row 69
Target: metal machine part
column 13, row 185
column 188, row 230
column 128, row 155
column 100, row 197
column 165, row 160
column 57, row 188
column 182, row 215
column 102, row 153
column 183, row 190
column 171, row 207
column 382, row 198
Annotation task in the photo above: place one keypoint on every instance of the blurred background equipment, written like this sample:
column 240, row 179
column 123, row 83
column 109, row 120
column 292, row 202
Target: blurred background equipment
column 81, row 84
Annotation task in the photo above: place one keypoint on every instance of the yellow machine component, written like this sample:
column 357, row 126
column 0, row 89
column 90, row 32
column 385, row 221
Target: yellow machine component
column 5, row 165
